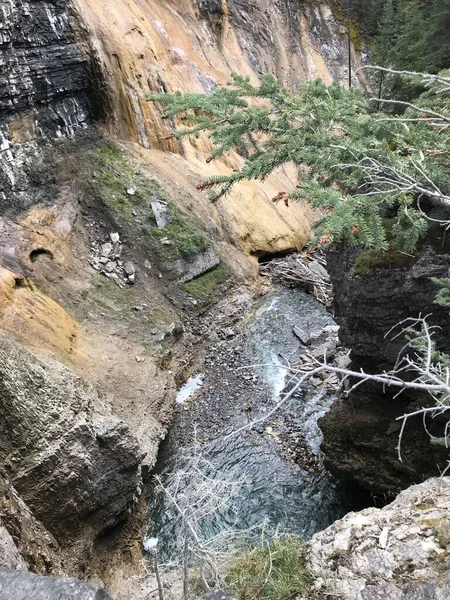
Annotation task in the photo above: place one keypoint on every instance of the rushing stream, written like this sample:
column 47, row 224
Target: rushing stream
column 281, row 483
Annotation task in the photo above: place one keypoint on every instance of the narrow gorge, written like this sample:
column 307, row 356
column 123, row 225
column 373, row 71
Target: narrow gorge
column 121, row 283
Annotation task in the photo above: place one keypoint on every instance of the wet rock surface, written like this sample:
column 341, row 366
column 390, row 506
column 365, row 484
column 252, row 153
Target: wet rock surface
column 21, row 585
column 361, row 431
column 400, row 552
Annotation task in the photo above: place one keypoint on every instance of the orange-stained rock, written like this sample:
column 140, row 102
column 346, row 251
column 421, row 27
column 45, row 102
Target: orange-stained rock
column 169, row 45
column 34, row 319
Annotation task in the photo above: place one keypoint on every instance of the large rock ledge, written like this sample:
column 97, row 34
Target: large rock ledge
column 76, row 467
column 21, row 585
column 401, row 552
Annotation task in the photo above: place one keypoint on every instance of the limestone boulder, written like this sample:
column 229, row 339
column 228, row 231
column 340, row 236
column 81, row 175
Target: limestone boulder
column 399, row 552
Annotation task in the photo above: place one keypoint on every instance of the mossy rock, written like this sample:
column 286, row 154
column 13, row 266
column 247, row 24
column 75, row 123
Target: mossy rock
column 184, row 238
column 392, row 258
column 203, row 288
column 441, row 530
column 110, row 174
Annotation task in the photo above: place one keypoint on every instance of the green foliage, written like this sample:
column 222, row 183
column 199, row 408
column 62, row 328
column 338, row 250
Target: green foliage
column 424, row 40
column 443, row 296
column 203, row 287
column 273, row 571
column 358, row 160
column 407, row 34
column 184, row 236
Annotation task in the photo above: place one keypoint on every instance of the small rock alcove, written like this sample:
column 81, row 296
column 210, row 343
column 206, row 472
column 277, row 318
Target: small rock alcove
column 40, row 253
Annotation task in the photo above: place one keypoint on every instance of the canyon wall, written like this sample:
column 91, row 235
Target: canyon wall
column 361, row 431
column 43, row 83
column 195, row 45
column 51, row 86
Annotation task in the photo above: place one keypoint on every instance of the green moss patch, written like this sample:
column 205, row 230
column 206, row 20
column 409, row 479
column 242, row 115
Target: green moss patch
column 202, row 288
column 106, row 293
column 382, row 259
column 441, row 530
column 425, row 505
column 111, row 174
column 184, row 237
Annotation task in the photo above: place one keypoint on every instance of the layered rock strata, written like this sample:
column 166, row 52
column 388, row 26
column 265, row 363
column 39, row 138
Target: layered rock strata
column 43, row 82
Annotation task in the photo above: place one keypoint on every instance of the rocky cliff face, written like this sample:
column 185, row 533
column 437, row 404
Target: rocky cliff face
column 196, row 46
column 43, row 82
column 24, row 541
column 401, row 552
column 72, row 469
column 49, row 84
column 361, row 431
column 77, row 469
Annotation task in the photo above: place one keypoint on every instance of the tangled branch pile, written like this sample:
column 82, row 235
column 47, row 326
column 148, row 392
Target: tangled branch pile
column 304, row 270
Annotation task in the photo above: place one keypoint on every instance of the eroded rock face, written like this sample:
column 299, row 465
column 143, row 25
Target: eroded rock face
column 75, row 467
column 21, row 585
column 401, row 552
column 24, row 542
column 9, row 553
column 43, row 80
column 361, row 431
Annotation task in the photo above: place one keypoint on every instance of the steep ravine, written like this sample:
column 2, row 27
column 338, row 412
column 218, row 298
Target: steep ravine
column 104, row 361
column 103, row 314
column 277, row 460
column 361, row 431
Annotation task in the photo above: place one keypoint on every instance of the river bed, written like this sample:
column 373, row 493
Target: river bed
column 277, row 461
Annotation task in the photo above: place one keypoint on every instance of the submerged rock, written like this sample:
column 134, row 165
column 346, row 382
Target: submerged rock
column 22, row 585
column 399, row 552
